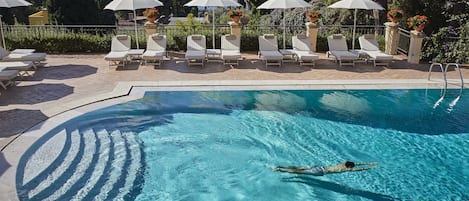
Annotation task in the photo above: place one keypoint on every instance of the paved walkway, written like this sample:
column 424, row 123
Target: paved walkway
column 67, row 78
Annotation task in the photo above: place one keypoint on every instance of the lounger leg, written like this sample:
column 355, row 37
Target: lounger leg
column 3, row 85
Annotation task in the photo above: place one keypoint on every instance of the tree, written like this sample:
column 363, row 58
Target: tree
column 449, row 44
column 74, row 11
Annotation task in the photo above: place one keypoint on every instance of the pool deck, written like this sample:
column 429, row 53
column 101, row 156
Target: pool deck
column 68, row 82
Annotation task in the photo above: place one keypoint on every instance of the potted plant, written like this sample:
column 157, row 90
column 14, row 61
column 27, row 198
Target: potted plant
column 313, row 15
column 394, row 15
column 151, row 14
column 417, row 22
column 235, row 14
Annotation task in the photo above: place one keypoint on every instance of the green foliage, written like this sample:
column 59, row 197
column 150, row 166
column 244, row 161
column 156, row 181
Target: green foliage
column 449, row 44
column 190, row 26
column 62, row 43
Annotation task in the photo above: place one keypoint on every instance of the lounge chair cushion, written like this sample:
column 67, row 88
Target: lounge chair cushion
column 23, row 51
column 378, row 55
column 25, row 57
column 271, row 55
column 194, row 54
column 149, row 54
column 368, row 43
column 344, row 55
column 230, row 54
column 116, row 56
column 8, row 74
column 16, row 65
column 306, row 55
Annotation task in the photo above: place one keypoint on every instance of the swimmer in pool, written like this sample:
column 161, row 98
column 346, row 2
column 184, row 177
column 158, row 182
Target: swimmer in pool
column 322, row 170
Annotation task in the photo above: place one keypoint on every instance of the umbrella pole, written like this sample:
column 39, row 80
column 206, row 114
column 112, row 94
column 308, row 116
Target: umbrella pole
column 354, row 27
column 135, row 24
column 213, row 28
column 3, row 36
column 284, row 29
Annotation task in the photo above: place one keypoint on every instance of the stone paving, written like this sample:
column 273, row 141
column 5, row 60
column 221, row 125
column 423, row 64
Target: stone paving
column 67, row 78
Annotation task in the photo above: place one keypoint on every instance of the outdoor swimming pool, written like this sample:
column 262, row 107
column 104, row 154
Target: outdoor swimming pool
column 222, row 145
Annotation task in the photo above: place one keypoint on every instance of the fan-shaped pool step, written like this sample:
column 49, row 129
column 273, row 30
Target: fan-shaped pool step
column 91, row 166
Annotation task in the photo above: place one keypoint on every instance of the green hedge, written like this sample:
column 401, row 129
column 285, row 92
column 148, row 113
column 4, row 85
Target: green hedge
column 76, row 43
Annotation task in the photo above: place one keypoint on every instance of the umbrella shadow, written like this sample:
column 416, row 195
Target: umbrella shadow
column 33, row 94
column 286, row 67
column 129, row 66
column 183, row 67
column 4, row 165
column 17, row 120
column 63, row 72
column 339, row 188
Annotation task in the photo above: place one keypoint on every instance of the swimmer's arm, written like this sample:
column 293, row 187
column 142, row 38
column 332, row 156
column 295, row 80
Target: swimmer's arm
column 293, row 171
column 361, row 169
column 293, row 168
column 366, row 163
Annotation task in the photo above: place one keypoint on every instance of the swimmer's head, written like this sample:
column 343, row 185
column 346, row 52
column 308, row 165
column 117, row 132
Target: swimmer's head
column 349, row 164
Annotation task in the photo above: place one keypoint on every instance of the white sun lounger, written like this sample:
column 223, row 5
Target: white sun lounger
column 120, row 47
column 156, row 49
column 23, row 55
column 369, row 45
column 23, row 51
column 230, row 49
column 7, row 78
column 303, row 50
column 268, row 50
column 21, row 66
column 339, row 49
column 196, row 49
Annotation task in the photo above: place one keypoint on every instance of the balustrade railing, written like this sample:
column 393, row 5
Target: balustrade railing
column 38, row 30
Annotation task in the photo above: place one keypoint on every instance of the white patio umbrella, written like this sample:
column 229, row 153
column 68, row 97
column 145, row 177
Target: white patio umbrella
column 356, row 4
column 284, row 4
column 10, row 4
column 132, row 5
column 213, row 3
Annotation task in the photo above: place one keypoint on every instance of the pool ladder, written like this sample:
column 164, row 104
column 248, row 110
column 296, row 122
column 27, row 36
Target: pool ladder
column 443, row 94
column 444, row 71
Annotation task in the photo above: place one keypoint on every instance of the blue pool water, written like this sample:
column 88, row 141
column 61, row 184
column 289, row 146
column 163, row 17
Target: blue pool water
column 222, row 145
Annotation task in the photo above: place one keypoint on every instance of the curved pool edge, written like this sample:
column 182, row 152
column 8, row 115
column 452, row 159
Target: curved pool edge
column 127, row 91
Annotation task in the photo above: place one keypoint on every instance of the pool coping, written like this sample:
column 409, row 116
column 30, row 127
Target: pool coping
column 132, row 90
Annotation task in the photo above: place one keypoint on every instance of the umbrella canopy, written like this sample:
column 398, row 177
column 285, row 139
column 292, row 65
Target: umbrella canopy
column 284, row 4
column 10, row 4
column 132, row 5
column 213, row 3
column 13, row 3
column 356, row 4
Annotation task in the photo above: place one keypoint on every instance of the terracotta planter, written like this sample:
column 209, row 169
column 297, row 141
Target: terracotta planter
column 418, row 28
column 151, row 19
column 393, row 19
column 236, row 19
column 313, row 19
